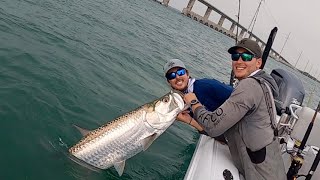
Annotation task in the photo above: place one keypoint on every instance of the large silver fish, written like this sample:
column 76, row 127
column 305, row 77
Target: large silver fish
column 112, row 144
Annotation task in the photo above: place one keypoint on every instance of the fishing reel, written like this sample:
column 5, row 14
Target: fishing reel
column 300, row 149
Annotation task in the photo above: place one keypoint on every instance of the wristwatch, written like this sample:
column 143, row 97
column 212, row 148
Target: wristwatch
column 194, row 102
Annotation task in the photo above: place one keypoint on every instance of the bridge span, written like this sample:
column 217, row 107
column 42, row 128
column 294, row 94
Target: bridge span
column 218, row 26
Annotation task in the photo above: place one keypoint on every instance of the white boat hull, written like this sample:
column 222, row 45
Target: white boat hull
column 211, row 160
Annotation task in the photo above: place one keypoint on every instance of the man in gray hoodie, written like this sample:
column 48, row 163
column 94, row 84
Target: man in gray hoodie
column 247, row 118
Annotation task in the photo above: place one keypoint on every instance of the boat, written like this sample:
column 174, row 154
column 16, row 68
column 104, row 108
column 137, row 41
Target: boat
column 212, row 159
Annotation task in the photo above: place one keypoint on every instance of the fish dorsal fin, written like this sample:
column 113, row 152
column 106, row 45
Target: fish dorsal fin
column 146, row 142
column 119, row 166
column 83, row 131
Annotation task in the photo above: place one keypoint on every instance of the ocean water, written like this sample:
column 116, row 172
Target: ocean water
column 87, row 62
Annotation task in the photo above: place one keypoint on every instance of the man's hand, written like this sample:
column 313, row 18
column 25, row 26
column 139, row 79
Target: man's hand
column 189, row 97
column 184, row 116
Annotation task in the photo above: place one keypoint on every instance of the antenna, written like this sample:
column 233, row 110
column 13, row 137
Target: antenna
column 285, row 43
column 298, row 60
column 253, row 21
column 238, row 18
column 232, row 80
column 306, row 66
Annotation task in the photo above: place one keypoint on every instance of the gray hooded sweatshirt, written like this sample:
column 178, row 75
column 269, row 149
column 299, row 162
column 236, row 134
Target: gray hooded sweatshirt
column 245, row 120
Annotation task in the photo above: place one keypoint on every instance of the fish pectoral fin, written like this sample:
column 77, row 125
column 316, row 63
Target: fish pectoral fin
column 146, row 142
column 119, row 166
column 83, row 131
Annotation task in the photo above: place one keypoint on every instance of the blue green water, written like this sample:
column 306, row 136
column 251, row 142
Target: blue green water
column 87, row 62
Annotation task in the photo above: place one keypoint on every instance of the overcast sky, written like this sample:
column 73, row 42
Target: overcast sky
column 298, row 18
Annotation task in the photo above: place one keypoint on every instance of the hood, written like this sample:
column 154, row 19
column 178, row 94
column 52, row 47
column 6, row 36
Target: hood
column 271, row 82
column 190, row 85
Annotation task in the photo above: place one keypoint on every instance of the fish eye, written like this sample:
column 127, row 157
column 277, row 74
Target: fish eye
column 166, row 99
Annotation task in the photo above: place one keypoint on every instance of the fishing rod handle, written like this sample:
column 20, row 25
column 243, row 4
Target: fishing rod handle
column 315, row 113
column 318, row 108
column 308, row 132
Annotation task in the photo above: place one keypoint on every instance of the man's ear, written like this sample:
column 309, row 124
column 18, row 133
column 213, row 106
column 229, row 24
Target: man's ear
column 259, row 62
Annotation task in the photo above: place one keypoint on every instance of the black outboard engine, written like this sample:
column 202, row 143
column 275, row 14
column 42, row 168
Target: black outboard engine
column 291, row 90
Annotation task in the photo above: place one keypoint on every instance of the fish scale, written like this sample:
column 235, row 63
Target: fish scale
column 102, row 154
column 129, row 134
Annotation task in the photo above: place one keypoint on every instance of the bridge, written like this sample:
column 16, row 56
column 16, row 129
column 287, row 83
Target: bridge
column 218, row 26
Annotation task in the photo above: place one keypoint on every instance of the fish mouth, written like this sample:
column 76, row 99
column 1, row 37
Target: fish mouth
column 177, row 91
column 177, row 97
column 165, row 119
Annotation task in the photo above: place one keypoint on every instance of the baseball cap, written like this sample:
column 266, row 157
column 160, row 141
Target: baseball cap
column 249, row 45
column 171, row 64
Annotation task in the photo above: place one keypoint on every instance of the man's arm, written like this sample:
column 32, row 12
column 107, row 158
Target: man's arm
column 229, row 113
column 186, row 118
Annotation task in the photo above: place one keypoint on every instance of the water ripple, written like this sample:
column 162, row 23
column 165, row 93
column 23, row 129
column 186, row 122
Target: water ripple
column 86, row 63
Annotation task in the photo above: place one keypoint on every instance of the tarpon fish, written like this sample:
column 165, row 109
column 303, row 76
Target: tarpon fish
column 112, row 144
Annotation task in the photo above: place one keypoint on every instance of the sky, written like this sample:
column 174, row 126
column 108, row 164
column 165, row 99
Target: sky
column 297, row 22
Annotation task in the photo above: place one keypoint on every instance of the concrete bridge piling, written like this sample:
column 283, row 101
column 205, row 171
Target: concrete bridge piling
column 219, row 25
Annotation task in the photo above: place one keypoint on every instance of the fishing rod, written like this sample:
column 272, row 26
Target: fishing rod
column 313, row 166
column 231, row 80
column 297, row 160
column 266, row 51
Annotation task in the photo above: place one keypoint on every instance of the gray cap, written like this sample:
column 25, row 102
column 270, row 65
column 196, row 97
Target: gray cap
column 248, row 44
column 171, row 64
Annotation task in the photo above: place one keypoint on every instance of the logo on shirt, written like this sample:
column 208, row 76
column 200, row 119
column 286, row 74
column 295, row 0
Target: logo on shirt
column 213, row 118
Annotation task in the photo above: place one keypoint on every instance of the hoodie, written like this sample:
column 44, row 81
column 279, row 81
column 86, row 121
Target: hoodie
column 247, row 109
column 247, row 124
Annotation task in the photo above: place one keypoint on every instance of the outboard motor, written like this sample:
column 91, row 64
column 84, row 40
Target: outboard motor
column 291, row 90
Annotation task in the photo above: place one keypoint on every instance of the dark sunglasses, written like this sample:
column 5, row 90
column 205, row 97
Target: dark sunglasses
column 173, row 75
column 244, row 56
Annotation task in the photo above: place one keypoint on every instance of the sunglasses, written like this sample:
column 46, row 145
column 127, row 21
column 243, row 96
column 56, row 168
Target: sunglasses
column 244, row 56
column 173, row 75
